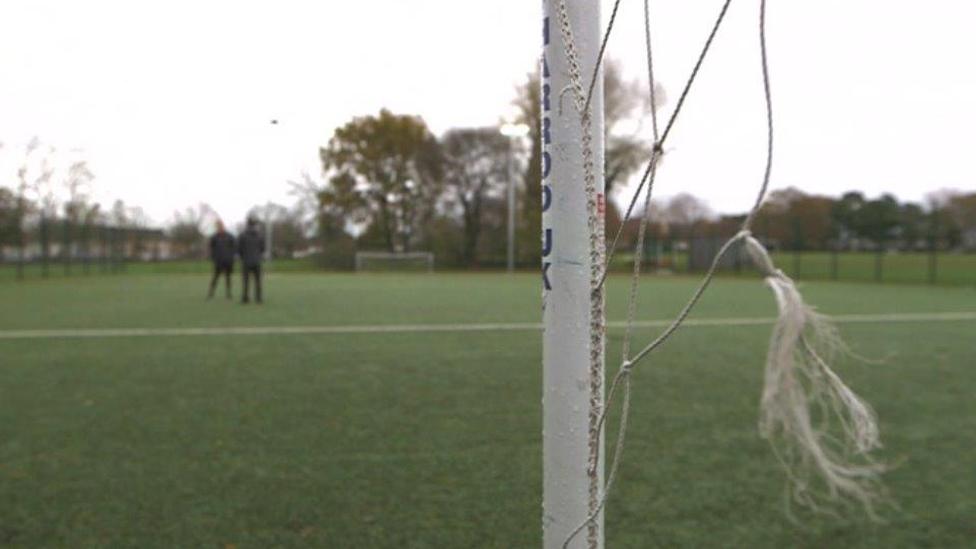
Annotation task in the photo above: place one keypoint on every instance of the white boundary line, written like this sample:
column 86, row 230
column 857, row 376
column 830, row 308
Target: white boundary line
column 442, row 328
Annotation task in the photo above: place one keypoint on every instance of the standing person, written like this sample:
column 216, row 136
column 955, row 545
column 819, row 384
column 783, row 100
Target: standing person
column 222, row 254
column 250, row 246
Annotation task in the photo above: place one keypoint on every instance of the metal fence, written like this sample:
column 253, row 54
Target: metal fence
column 930, row 263
column 48, row 247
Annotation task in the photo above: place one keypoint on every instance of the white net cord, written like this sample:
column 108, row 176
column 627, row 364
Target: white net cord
column 804, row 403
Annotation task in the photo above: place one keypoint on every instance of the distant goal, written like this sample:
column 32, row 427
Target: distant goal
column 417, row 262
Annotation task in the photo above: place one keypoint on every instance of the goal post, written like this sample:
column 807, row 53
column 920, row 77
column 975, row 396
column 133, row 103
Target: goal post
column 572, row 266
column 388, row 261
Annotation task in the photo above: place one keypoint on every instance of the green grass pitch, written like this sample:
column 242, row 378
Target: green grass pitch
column 414, row 440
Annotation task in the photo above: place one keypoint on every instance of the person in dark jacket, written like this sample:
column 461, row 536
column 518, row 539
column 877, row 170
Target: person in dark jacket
column 250, row 246
column 222, row 254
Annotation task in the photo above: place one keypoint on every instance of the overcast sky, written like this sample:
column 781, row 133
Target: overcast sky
column 170, row 101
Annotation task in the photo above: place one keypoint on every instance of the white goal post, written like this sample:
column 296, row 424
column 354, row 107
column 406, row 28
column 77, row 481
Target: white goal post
column 388, row 261
column 573, row 261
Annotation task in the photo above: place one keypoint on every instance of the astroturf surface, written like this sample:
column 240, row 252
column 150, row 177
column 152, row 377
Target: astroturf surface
column 434, row 439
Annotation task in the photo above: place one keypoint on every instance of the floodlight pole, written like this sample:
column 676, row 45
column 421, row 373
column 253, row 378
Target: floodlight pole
column 572, row 263
column 511, row 206
column 268, row 222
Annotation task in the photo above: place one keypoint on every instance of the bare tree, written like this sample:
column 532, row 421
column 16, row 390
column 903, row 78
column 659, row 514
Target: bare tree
column 77, row 186
column 37, row 177
column 35, row 181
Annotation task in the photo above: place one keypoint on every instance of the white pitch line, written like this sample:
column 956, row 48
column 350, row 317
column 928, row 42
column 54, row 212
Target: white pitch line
column 441, row 328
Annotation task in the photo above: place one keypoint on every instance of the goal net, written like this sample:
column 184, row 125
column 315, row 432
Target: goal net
column 819, row 429
column 418, row 262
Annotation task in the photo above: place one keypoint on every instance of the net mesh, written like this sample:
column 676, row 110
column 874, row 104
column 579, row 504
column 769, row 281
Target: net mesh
column 820, row 430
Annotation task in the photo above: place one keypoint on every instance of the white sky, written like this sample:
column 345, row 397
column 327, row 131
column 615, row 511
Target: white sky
column 171, row 100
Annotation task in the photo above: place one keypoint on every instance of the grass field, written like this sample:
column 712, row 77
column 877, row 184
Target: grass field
column 902, row 268
column 950, row 269
column 56, row 269
column 432, row 439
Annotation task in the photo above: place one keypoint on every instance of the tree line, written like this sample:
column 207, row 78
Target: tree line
column 389, row 184
column 49, row 203
column 48, row 213
column 791, row 219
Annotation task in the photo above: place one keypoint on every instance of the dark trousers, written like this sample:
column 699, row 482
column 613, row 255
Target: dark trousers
column 255, row 271
column 221, row 269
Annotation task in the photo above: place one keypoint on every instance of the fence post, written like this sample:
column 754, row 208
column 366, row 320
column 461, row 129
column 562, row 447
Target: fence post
column 126, row 236
column 116, row 251
column 22, row 249
column 113, row 252
column 738, row 259
column 834, row 274
column 674, row 255
column 878, row 267
column 45, row 247
column 797, row 249
column 86, row 248
column 20, row 262
column 66, row 246
column 103, row 248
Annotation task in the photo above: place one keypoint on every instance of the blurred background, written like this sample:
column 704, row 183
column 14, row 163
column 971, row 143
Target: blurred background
column 127, row 131
column 387, row 392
